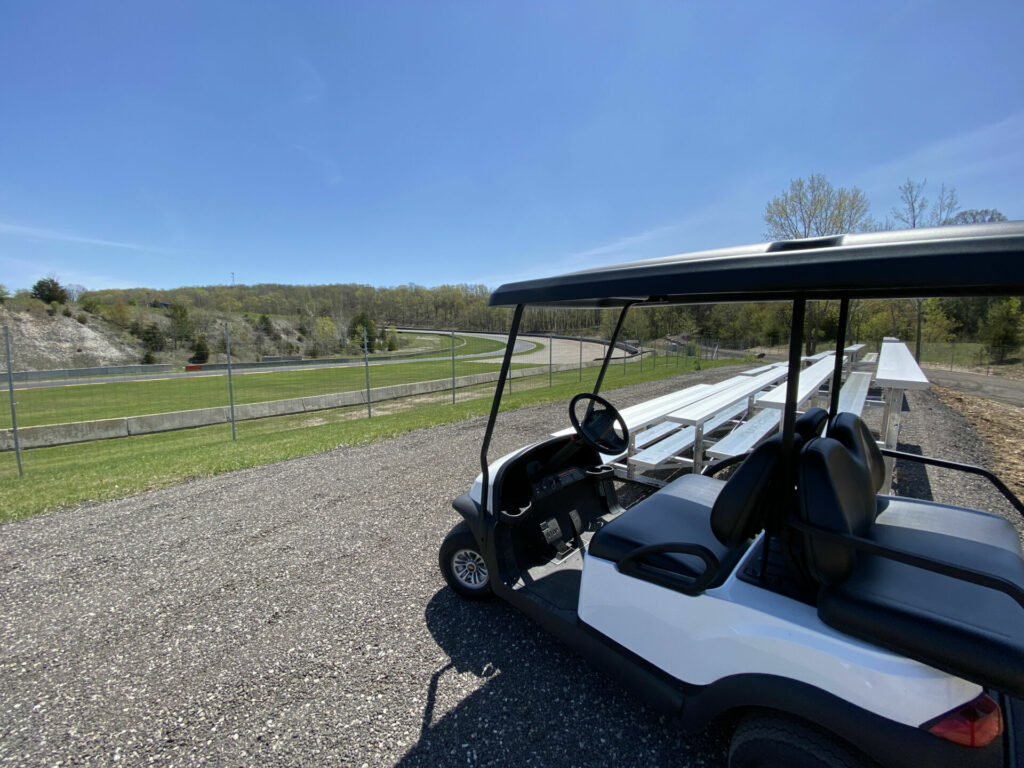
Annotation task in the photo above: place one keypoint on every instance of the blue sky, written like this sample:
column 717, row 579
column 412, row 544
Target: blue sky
column 172, row 143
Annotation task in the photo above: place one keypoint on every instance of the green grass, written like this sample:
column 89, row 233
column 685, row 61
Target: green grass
column 85, row 402
column 76, row 474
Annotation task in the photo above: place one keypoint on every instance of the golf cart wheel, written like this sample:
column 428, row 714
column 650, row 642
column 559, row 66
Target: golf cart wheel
column 766, row 741
column 463, row 565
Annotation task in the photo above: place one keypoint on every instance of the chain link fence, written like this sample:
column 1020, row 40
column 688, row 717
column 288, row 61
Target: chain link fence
column 68, row 406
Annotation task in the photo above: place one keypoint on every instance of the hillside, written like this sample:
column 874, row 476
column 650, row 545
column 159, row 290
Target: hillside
column 40, row 341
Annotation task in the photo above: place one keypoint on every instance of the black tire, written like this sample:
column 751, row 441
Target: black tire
column 462, row 564
column 769, row 741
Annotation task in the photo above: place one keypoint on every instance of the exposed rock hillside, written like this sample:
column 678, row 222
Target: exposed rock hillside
column 40, row 341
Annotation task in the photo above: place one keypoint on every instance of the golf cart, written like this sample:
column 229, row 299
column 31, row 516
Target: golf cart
column 833, row 625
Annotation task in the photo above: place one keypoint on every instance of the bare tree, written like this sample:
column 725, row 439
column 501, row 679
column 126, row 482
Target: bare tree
column 814, row 208
column 913, row 204
column 945, row 207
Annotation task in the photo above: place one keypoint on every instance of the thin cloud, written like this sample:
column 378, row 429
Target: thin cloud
column 956, row 159
column 311, row 85
column 39, row 233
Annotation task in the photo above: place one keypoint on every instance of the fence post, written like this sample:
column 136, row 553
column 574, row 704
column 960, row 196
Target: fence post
column 952, row 354
column 551, row 359
column 10, row 390
column 453, row 367
column 366, row 364
column 231, row 386
column 581, row 357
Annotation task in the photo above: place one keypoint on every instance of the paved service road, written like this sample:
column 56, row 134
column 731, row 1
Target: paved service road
column 294, row 615
column 999, row 388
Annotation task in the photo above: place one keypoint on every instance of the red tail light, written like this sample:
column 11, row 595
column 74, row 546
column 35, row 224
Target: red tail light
column 976, row 724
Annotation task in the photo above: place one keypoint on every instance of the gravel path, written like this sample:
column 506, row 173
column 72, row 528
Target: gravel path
column 929, row 427
column 294, row 615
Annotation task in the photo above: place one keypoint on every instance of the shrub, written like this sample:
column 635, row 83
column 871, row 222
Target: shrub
column 66, row 311
column 82, row 318
column 149, row 358
column 50, row 291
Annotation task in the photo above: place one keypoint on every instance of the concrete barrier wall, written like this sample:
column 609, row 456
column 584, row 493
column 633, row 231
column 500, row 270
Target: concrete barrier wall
column 77, row 373
column 105, row 429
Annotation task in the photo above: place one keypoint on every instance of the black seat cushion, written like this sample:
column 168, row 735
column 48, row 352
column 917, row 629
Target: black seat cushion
column 961, row 628
column 966, row 525
column 850, row 430
column 966, row 629
column 679, row 512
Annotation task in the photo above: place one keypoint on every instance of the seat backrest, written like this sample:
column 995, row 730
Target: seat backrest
column 749, row 496
column 811, row 423
column 835, row 493
column 850, row 430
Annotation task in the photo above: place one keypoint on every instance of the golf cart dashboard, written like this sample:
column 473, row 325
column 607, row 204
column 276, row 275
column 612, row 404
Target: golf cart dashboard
column 541, row 475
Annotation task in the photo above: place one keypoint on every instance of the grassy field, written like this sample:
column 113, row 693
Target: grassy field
column 76, row 474
column 85, row 402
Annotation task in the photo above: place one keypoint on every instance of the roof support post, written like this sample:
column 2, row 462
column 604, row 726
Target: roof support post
column 611, row 349
column 796, row 339
column 506, row 363
column 837, row 373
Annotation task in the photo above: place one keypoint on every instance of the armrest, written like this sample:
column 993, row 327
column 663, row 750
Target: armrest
column 632, row 565
column 909, row 558
column 945, row 464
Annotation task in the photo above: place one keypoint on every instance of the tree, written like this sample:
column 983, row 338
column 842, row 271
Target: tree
column 49, row 290
column 814, row 208
column 200, row 349
column 4, row 295
column 153, row 338
column 360, row 323
column 911, row 212
column 74, row 291
column 120, row 315
column 913, row 204
column 945, row 208
column 978, row 216
column 1001, row 329
column 325, row 334
column 180, row 328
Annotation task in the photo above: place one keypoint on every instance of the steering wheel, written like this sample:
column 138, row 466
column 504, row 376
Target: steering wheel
column 598, row 426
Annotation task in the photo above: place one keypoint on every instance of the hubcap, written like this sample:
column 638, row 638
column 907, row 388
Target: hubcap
column 469, row 568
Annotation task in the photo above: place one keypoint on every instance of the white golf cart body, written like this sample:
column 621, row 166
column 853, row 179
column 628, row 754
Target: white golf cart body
column 732, row 643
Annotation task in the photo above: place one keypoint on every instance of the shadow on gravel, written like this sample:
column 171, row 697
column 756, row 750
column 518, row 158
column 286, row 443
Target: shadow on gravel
column 534, row 703
column 911, row 477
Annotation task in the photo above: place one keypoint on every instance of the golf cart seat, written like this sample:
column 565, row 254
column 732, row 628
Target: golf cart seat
column 952, row 602
column 971, row 524
column 689, row 535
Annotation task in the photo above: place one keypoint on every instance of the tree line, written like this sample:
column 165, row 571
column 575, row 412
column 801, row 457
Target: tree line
column 323, row 319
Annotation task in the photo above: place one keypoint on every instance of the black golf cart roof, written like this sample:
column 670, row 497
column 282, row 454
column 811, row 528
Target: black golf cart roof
column 971, row 260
